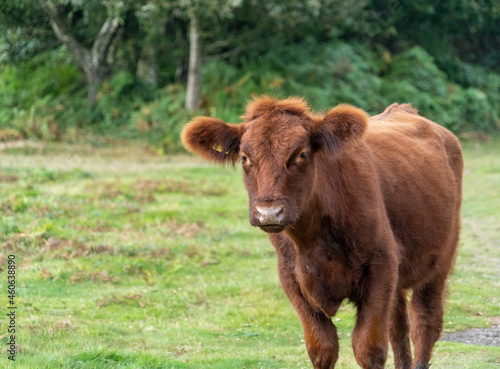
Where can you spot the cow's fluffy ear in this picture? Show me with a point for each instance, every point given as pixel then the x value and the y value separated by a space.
pixel 213 139
pixel 339 127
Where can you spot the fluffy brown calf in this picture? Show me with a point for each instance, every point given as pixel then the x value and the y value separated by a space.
pixel 357 208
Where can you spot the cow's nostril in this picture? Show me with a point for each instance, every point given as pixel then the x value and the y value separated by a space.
pixel 268 215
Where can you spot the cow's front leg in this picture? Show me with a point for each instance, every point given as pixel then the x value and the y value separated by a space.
pixel 370 339
pixel 320 335
pixel 371 332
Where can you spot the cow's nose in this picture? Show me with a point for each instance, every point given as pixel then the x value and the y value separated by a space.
pixel 269 215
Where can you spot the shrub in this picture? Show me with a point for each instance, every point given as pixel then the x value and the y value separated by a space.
pixel 162 120
pixel 414 77
pixel 46 96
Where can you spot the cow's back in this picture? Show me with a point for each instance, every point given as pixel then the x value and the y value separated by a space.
pixel 420 166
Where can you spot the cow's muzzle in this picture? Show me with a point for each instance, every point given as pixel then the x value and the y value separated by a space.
pixel 269 217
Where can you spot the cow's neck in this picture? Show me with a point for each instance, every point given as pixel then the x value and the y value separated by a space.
pixel 307 228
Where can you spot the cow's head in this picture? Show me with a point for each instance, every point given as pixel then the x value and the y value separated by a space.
pixel 277 145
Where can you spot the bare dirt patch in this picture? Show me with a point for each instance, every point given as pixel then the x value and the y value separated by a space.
pixel 132 300
pixel 17 144
pixel 82 276
pixel 39 248
pixel 69 249
pixel 143 191
pixel 174 228
pixel 8 178
pixel 476 336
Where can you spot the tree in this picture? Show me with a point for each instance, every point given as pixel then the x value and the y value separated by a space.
pixel 152 18
pixel 199 12
pixel 94 61
pixel 24 31
pixel 193 93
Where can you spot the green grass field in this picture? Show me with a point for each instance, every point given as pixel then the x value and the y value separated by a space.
pixel 126 259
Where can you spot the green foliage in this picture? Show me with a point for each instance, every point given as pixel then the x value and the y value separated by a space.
pixel 34 94
pixel 162 119
pixel 416 67
pixel 367 53
pixel 44 97
pixel 335 73
pixel 118 98
pixel 414 77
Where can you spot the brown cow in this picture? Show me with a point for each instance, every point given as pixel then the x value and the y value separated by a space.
pixel 357 208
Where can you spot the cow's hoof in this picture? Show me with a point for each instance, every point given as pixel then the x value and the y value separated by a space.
pixel 421 366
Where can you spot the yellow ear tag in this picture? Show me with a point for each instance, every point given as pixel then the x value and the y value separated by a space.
pixel 219 148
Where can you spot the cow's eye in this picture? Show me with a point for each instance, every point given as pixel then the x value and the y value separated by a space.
pixel 298 160
pixel 244 159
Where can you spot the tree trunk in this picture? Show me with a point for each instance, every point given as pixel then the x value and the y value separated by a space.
pixel 193 94
pixel 94 75
pixel 147 67
pixel 93 62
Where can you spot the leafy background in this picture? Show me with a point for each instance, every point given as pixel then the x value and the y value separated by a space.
pixel 442 57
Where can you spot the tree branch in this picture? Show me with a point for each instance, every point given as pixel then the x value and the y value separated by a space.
pixel 94 62
pixel 104 40
pixel 193 93
pixel 233 51
pixel 65 35
pixel 238 39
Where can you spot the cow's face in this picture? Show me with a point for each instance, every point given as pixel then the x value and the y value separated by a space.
pixel 277 156
pixel 276 145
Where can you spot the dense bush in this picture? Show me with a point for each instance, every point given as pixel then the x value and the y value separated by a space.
pixel 35 92
pixel 440 56
pixel 45 98
pixel 335 73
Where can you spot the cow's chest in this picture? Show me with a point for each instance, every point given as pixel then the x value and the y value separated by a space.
pixel 324 277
